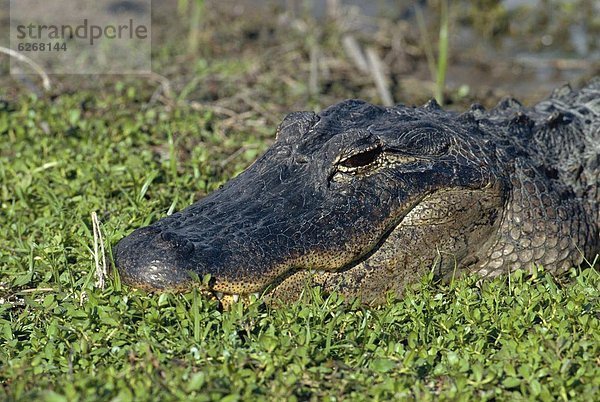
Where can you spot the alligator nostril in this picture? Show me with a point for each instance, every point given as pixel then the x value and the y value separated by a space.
pixel 177 241
pixel 187 248
pixel 169 236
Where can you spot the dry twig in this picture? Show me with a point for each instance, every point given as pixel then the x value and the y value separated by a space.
pixel 101 271
pixel 379 76
pixel 36 67
pixel 353 50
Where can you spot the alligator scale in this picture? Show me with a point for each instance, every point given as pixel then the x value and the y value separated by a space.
pixel 364 199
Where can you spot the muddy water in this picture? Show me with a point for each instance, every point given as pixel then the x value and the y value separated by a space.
pixel 540 44
pixel 546 44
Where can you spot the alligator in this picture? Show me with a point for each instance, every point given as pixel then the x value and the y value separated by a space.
pixel 364 200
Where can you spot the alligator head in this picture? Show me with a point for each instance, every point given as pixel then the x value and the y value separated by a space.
pixel 358 199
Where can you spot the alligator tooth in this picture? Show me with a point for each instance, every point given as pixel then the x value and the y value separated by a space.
pixel 236 298
pixel 219 295
pixel 257 295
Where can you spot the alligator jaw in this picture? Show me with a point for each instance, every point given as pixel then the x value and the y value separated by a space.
pixel 156 269
pixel 301 276
pixel 289 285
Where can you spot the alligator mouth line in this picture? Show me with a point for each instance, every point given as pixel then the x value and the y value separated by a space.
pixel 226 298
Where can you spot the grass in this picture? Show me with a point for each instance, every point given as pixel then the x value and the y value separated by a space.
pixel 442 63
pixel 63 338
pixel 437 67
pixel 195 10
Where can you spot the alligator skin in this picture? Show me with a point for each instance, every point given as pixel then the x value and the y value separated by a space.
pixel 364 200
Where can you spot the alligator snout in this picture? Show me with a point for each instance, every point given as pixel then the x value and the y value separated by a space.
pixel 158 258
pixel 161 265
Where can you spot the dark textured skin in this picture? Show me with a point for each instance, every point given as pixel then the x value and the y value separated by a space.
pixel 365 199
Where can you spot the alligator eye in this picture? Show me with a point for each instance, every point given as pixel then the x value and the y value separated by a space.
pixel 362 159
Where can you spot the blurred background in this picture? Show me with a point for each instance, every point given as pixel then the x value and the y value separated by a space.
pixel 262 58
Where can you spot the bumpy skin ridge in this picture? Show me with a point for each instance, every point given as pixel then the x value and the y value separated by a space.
pixel 552 217
pixel 364 199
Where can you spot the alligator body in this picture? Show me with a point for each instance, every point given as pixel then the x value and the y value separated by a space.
pixel 363 200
